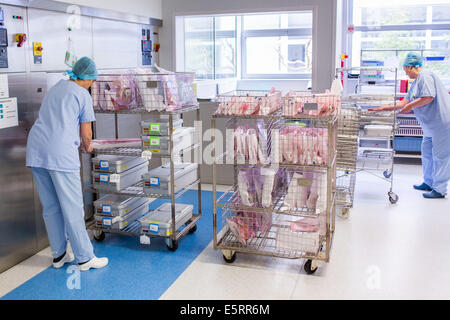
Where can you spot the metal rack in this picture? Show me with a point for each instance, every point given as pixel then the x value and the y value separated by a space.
pixel 349 122
pixel 275 237
pixel 137 190
pixel 375 153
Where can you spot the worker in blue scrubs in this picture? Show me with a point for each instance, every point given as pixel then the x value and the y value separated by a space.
pixel 430 102
pixel 66 115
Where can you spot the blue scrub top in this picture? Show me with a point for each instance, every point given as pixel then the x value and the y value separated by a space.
pixel 54 139
pixel 435 116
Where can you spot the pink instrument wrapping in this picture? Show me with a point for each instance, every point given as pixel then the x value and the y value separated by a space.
pixel 306 103
pixel 249 103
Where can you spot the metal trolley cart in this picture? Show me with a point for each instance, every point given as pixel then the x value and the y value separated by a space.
pixel 376 86
pixel 283 201
pixel 347 153
pixel 146 95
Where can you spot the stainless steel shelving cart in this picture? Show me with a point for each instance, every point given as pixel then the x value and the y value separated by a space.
pixel 349 120
pixel 137 190
pixel 266 227
pixel 377 129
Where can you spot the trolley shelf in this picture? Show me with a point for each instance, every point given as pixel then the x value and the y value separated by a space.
pixel 137 190
pixel 134 229
pixel 280 165
pixel 181 110
pixel 137 152
pixel 266 245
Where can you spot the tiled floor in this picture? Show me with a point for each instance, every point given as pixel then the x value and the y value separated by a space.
pixel 381 251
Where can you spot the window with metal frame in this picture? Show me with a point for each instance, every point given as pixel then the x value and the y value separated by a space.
pixel 277 45
pixel 385 31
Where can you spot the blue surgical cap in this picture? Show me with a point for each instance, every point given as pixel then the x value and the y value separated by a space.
pixel 84 69
pixel 413 60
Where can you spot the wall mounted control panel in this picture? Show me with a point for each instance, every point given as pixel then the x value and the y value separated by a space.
pixel 3 48
pixel 146 48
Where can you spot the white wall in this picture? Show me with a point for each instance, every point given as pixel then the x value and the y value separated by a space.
pixel 324 31
pixel 150 8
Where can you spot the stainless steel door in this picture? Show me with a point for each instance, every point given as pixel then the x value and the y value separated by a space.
pixel 18 228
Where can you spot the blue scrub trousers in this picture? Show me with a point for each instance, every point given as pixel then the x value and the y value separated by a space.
pixel 63 210
pixel 436 161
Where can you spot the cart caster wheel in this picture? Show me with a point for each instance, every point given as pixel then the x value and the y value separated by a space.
pixel 344 213
pixel 172 245
pixel 193 229
pixel 393 198
pixel 229 256
pixel 308 267
pixel 99 236
pixel 387 174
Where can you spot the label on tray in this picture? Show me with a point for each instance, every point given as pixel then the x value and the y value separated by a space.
pixel 154 181
pixel 152 227
pixel 310 107
pixel 107 222
pixel 106 208
pixel 155 127
pixel 304 182
pixel 155 141
pixel 104 177
pixel 104 164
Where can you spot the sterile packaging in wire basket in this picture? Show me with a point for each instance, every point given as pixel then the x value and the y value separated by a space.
pixel 306 192
pixel 183 138
pixel 258 186
pixel 121 222
pixel 306 103
pixel 157 181
pixel 115 182
pixel 159 127
pixel 147 89
pixel 251 145
pixel 248 225
pixel 299 145
pixel 116 90
pixel 246 103
pixel 159 221
pixel 114 163
pixel 117 205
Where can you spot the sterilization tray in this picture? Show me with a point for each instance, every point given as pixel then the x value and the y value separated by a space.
pixel 159 222
pixel 157 181
pixel 117 205
pixel 114 163
pixel 115 182
pixel 118 223
pixel 159 127
pixel 183 138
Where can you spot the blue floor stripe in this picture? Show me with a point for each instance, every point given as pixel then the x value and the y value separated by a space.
pixel 135 271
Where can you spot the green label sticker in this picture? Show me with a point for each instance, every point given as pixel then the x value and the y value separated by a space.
pixel 155 141
pixel 155 127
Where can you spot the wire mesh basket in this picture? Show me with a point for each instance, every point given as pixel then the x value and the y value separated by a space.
pixel 249 103
pixel 311 104
pixel 142 89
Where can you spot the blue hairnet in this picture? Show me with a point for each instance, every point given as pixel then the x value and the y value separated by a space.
pixel 84 69
pixel 413 60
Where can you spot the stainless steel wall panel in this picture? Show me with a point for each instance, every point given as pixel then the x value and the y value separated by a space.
pixel 18 232
pixel 50 28
pixel 116 44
